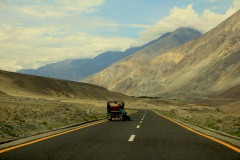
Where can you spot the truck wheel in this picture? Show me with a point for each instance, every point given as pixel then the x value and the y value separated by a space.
pixel 110 119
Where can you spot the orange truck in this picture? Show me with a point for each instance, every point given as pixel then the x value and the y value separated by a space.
pixel 115 110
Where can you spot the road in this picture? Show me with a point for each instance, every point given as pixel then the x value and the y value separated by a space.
pixel 148 136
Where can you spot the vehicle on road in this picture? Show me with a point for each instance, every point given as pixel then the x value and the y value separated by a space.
pixel 115 110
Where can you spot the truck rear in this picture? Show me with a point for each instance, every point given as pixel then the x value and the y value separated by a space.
pixel 115 110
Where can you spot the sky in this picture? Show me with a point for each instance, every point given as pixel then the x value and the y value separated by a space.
pixel 34 33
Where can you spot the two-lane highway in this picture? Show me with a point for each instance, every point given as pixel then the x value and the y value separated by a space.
pixel 148 136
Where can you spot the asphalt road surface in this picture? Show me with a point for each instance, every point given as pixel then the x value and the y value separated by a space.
pixel 148 136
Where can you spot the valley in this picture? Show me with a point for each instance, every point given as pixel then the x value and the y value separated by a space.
pixel 26 111
pixel 185 76
pixel 104 79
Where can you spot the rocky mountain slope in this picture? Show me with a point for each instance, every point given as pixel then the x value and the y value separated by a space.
pixel 204 67
pixel 16 84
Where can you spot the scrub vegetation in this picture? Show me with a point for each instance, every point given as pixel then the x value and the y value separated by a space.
pixel 23 117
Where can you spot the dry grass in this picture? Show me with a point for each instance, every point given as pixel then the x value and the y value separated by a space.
pixel 22 117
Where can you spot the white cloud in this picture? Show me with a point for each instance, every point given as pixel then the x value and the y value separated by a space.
pixel 32 47
pixel 11 65
pixel 234 8
pixel 38 34
pixel 187 17
pixel 211 1
pixel 56 8
pixel 34 41
pixel 79 5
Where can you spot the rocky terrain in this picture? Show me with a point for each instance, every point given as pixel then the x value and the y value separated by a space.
pixel 208 66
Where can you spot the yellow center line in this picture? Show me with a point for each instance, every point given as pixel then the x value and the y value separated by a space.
pixel 204 135
pixel 48 137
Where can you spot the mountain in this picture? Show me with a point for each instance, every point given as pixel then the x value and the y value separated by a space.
pixel 126 74
pixel 165 43
pixel 16 84
pixel 67 69
pixel 77 69
pixel 203 67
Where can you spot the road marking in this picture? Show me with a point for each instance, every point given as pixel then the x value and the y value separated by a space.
pixel 140 121
pixel 131 138
pixel 145 113
pixel 48 137
pixel 201 134
pixel 138 126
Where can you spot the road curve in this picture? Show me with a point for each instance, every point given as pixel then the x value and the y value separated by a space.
pixel 148 136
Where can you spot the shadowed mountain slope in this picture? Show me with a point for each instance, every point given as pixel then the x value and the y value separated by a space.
pixel 70 69
pixel 16 84
pixel 206 66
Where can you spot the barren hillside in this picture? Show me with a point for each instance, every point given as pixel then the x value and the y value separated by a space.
pixel 204 67
pixel 16 84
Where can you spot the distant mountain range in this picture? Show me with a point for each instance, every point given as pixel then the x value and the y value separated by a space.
pixel 208 66
pixel 77 69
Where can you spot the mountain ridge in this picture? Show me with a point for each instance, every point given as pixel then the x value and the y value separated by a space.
pixel 134 62
pixel 203 67
pixel 77 69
